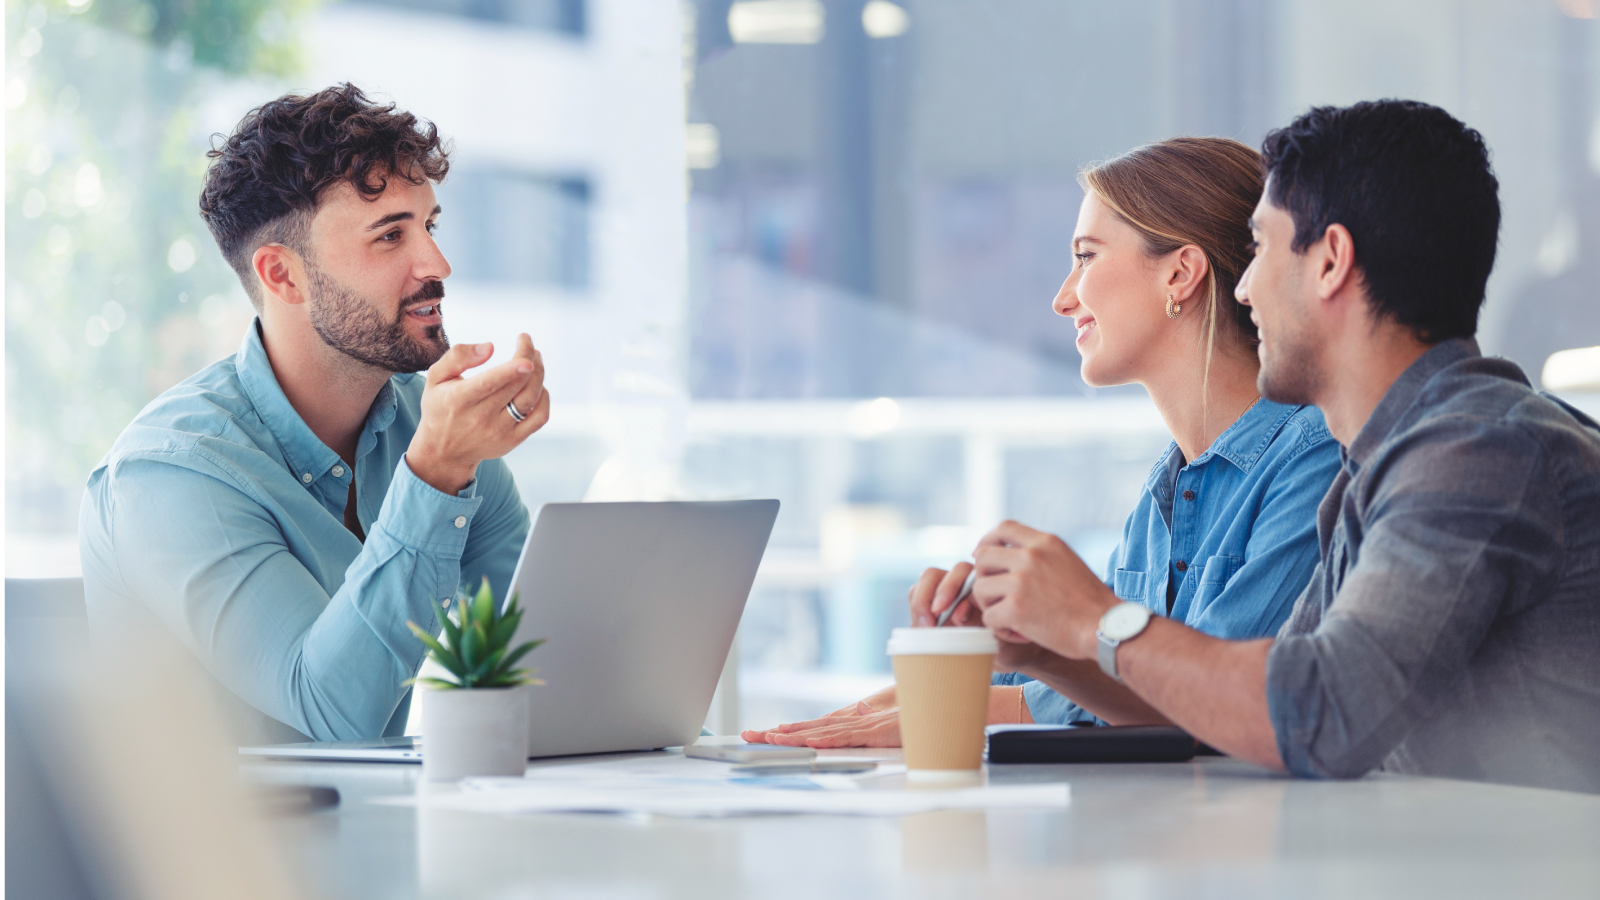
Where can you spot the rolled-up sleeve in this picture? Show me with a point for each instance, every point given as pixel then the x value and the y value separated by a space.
pixel 210 560
pixel 1459 526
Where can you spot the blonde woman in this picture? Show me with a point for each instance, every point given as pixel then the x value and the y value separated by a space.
pixel 1224 535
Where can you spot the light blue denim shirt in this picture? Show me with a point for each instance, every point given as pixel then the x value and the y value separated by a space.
pixel 1235 531
pixel 217 519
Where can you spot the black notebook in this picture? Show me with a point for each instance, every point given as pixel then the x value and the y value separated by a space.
pixel 1087 744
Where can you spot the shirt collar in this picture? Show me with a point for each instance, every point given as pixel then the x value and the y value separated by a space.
pixel 1242 444
pixel 379 418
pixel 1402 394
pixel 305 453
pixel 1246 439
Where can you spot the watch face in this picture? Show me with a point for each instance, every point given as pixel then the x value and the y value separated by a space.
pixel 1124 621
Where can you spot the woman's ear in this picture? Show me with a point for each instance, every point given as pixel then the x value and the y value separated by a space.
pixel 1188 273
pixel 280 273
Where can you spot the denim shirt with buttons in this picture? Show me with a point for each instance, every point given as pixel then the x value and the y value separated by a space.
pixel 1229 540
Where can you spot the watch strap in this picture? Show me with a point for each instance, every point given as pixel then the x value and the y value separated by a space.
pixel 1106 654
pixel 1106 646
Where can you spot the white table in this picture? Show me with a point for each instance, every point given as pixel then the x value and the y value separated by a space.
pixel 1210 828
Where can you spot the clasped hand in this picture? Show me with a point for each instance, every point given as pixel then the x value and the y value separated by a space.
pixel 1032 590
pixel 465 421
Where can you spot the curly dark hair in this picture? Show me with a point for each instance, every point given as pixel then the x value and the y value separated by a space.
pixel 1416 190
pixel 266 179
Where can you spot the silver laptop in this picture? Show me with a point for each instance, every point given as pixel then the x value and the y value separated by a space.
pixel 638 603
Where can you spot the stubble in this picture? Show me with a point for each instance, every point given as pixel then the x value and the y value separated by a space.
pixel 348 323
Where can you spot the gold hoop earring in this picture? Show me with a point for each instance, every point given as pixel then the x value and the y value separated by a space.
pixel 1173 309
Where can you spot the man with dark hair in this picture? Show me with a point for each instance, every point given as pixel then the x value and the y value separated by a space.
pixel 285 511
pixel 1453 625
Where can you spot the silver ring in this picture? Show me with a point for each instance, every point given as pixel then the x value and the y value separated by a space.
pixel 511 407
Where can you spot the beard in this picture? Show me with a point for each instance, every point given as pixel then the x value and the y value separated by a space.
pixel 1292 374
pixel 348 323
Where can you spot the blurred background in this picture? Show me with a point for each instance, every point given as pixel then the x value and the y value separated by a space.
pixel 801 249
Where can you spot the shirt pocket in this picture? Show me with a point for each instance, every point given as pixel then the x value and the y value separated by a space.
pixel 1128 585
pixel 1214 578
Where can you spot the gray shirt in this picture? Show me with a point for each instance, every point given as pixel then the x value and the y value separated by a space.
pixel 1453 625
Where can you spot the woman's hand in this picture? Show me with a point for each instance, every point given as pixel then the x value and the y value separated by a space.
pixel 861 725
pixel 935 590
pixel 857 725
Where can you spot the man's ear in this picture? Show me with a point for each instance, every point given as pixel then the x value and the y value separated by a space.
pixel 281 273
pixel 1334 259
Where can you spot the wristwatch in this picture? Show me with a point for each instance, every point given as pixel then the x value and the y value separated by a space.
pixel 1122 622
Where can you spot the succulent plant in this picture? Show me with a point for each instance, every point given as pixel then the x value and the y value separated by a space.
pixel 474 646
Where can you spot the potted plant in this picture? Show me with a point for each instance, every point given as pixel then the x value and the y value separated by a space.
pixel 476 721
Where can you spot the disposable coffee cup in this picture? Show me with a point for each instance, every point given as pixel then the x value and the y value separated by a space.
pixel 942 684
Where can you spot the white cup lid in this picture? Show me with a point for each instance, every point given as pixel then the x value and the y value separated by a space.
pixel 957 641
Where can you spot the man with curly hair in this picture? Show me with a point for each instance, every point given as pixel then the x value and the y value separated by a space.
pixel 285 511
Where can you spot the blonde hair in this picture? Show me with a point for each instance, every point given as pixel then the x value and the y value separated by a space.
pixel 1191 190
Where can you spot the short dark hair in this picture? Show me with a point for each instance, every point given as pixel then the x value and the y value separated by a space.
pixel 1414 187
pixel 266 179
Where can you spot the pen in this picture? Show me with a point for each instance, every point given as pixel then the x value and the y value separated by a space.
pixel 966 591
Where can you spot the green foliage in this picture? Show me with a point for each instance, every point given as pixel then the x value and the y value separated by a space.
pixel 475 648
pixel 238 37
pixel 114 289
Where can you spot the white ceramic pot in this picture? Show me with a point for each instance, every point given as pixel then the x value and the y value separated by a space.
pixel 474 732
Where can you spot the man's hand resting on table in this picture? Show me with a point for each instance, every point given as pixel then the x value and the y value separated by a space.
pixel 465 421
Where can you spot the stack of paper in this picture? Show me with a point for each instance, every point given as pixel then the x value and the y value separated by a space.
pixel 673 786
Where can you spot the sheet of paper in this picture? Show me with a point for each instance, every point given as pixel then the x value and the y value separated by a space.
pixel 674 786
pixel 733 800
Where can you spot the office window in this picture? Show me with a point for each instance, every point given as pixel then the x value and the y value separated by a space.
pixel 565 16
pixel 889 213
pixel 815 248
pixel 516 228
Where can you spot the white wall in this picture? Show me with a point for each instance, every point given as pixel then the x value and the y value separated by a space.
pixel 608 105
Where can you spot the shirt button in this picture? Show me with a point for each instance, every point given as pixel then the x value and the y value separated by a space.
pixel 306 478
pixel 338 472
pixel 1187 495
pixel 445 602
pixel 1183 566
pixel 461 521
